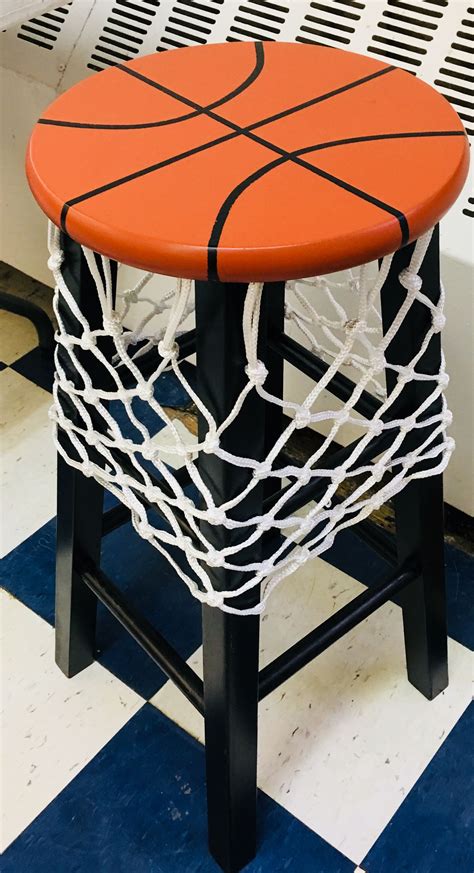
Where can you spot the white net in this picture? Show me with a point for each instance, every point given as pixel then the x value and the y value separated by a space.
pixel 104 433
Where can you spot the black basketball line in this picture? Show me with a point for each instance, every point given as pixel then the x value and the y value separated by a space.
pixel 236 128
pixel 247 131
pixel 224 211
pixel 271 118
pixel 136 175
pixel 259 58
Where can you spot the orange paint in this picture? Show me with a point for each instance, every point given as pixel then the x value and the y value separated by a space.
pixel 162 179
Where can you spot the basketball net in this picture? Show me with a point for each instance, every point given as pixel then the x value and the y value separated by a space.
pixel 343 339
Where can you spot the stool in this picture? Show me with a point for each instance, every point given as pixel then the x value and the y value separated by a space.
pixel 245 167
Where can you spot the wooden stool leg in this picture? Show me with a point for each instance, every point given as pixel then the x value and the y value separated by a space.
pixel 419 507
pixel 80 499
pixel 230 646
pixel 79 526
pixel 419 520
pixel 231 643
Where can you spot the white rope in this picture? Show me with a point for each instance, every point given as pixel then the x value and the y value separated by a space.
pixel 347 336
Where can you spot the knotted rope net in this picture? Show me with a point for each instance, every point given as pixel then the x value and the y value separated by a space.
pixel 102 432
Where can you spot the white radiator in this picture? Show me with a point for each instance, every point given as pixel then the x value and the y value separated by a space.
pixel 433 39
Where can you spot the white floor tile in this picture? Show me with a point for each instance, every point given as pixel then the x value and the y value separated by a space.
pixel 28 460
pixel 166 438
pixel 17 337
pixel 342 742
pixel 53 726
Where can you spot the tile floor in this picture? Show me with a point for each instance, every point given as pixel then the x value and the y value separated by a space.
pixel 105 772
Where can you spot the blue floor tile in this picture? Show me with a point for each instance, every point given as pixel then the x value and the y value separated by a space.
pixel 37 366
pixel 28 573
pixel 138 570
pixel 139 807
pixel 355 558
pixel 460 591
pixel 433 831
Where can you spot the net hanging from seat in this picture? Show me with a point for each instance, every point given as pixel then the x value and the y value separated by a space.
pixel 131 459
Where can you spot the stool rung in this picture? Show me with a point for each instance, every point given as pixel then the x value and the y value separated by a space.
pixel 309 364
pixel 119 515
pixel 318 640
pixel 318 485
pixel 381 542
pixel 148 362
pixel 114 518
pixel 151 641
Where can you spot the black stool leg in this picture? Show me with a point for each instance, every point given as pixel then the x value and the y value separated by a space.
pixel 230 643
pixel 419 507
pixel 79 499
pixel 79 525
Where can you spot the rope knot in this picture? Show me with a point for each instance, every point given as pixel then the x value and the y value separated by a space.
pixel 148 452
pixel 131 295
pixel 439 321
pixel 376 426
pixel 55 260
pixel 306 525
pixel 145 530
pixel 88 342
pixel 266 567
pixel 257 374
pixel 355 325
pixel 265 524
pixel 443 380
pixel 405 375
pixel 302 556
pixel 378 471
pixel 262 471
pixel 211 443
pixel 215 515
pixel 410 281
pixel 89 396
pixel 378 361
pixel 145 391
pixel 450 444
pixel 92 438
pixel 302 417
pixel 304 476
pixel 168 352
pixel 214 598
pixel 113 325
pixel 448 418
pixel 214 558
pixel 338 475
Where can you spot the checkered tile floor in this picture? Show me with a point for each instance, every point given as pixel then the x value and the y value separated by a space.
pixel 105 772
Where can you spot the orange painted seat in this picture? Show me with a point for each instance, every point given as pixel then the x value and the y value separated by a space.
pixel 248 161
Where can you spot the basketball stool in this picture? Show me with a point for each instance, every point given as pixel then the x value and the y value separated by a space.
pixel 247 167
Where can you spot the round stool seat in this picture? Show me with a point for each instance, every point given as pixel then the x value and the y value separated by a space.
pixel 248 161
